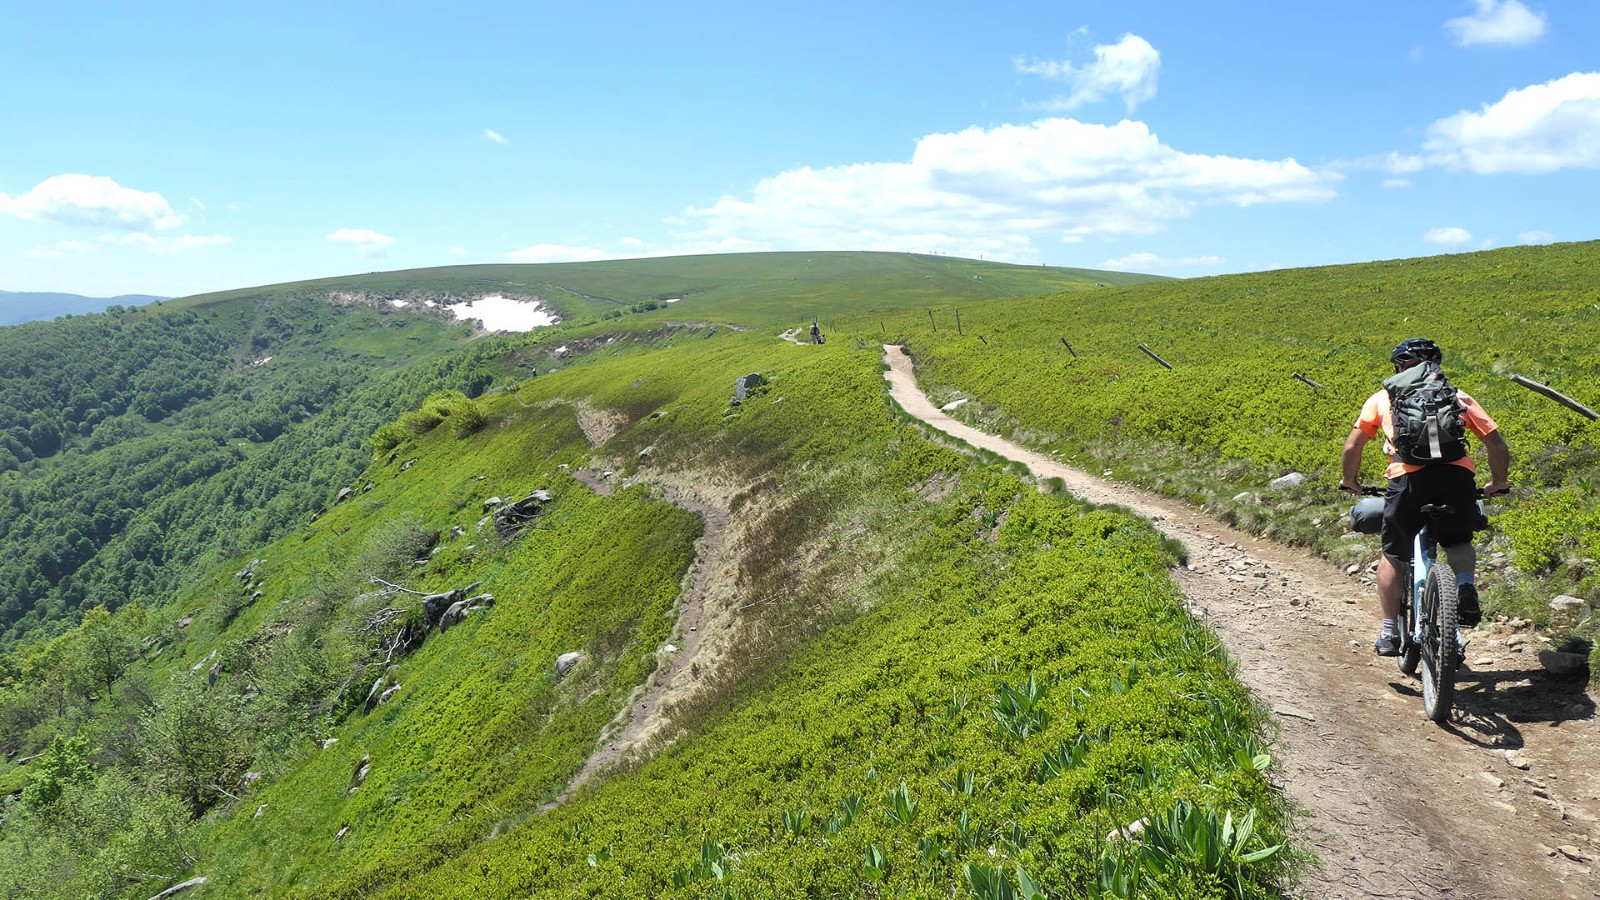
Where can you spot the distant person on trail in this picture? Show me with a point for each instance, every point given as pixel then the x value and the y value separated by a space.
pixel 816 332
pixel 1429 463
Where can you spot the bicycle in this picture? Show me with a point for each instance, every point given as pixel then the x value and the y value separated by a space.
pixel 1429 621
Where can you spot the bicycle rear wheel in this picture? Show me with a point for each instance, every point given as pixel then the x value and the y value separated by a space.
pixel 1441 648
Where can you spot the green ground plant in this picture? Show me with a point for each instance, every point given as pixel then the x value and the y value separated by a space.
pixel 1229 416
pixel 853 750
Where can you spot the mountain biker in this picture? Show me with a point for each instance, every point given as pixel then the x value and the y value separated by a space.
pixel 1413 486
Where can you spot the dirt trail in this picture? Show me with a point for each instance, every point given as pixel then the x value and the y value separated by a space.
pixel 1502 802
pixel 643 714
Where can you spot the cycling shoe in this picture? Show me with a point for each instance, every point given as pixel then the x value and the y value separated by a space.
pixel 1387 645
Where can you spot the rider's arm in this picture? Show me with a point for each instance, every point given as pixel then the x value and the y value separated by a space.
pixel 1351 460
pixel 1499 462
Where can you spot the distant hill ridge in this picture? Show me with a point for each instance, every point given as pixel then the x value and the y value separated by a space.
pixel 17 307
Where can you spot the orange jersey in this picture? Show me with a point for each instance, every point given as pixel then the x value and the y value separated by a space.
pixel 1376 414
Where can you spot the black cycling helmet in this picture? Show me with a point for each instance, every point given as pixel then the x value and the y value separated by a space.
pixel 1415 350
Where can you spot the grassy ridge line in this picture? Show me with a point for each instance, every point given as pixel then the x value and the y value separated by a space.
pixel 1229 417
pixel 748 288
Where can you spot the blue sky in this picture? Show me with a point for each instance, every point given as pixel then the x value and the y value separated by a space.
pixel 176 148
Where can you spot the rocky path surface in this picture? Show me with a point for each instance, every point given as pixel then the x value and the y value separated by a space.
pixel 644 712
pixel 1501 803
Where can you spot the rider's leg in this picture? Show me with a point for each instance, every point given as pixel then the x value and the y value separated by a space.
pixel 1463 560
pixel 1391 587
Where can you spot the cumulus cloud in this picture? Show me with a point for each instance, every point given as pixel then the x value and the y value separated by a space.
pixel 1448 237
pixel 549 253
pixel 991 192
pixel 369 242
pixel 91 200
pixel 1127 69
pixel 1537 129
pixel 160 244
pixel 1150 262
pixel 1497 22
pixel 459 252
pixel 165 245
pixel 1535 237
pixel 489 134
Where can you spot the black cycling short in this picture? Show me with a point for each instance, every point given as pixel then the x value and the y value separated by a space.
pixel 1452 485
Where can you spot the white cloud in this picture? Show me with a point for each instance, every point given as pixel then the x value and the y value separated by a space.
pixel 1448 237
pixel 1403 164
pixel 1150 262
pixel 632 243
pixel 992 192
pixel 1396 183
pixel 162 245
pixel 1535 237
pixel 165 245
pixel 1127 69
pixel 549 253
pixel 459 252
pixel 369 242
pixel 1497 22
pixel 60 250
pixel 1532 130
pixel 489 134
pixel 91 200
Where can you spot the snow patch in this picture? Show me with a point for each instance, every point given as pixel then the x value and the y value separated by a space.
pixel 498 313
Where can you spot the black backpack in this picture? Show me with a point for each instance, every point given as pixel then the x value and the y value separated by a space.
pixel 1426 410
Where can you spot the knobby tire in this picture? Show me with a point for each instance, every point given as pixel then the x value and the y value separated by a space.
pixel 1441 651
pixel 1410 650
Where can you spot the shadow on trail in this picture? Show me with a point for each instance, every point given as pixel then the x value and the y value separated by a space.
pixel 1491 703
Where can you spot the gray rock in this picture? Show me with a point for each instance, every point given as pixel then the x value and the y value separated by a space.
pixel 372 695
pixel 491 503
pixel 457 531
pixel 455 614
pixel 1243 497
pixel 1558 663
pixel 388 692
pixel 180 888
pixel 407 464
pixel 343 495
pixel 359 774
pixel 1567 603
pixel 747 386
pixel 566 662
pixel 1288 482
pixel 259 810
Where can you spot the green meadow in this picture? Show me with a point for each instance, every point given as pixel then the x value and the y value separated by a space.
pixel 922 675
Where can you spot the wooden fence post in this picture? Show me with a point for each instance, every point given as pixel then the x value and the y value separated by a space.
pixel 1069 348
pixel 1557 396
pixel 958 322
pixel 1299 377
pixel 1152 354
pixel 932 322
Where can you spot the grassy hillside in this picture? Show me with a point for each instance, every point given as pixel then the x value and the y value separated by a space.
pixel 930 675
pixel 747 288
pixel 137 448
pixel 1229 416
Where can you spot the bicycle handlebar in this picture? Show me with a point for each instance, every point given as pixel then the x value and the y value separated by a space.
pixel 1368 490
